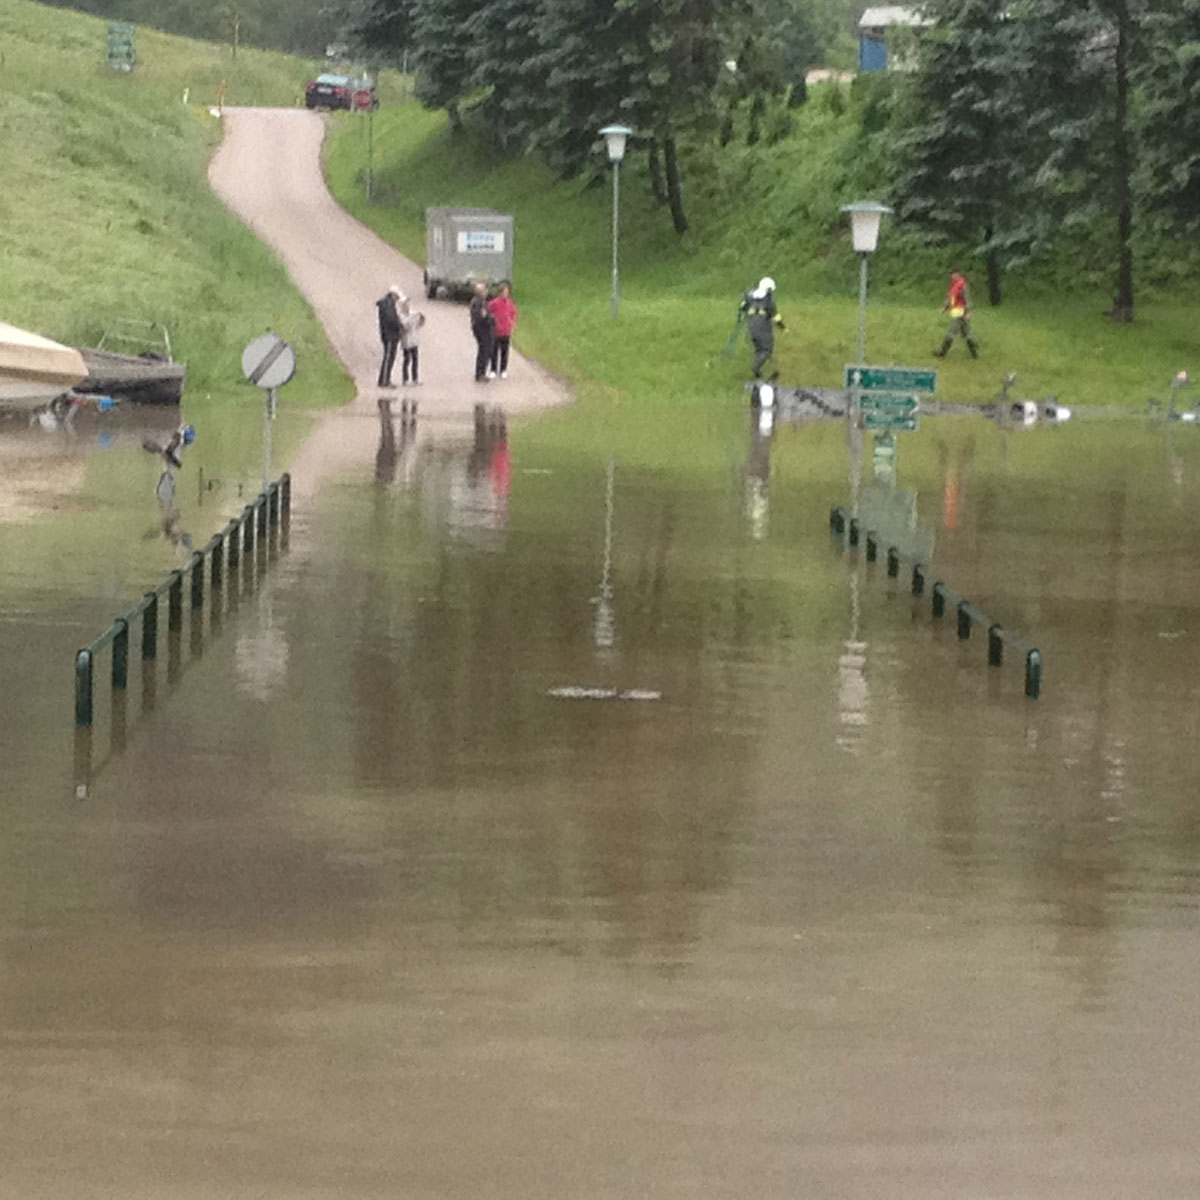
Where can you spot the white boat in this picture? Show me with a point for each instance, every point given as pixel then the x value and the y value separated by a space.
pixel 33 369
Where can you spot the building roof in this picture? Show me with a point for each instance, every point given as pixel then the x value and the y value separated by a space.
pixel 892 14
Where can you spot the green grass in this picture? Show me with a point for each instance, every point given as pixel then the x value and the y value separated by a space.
pixel 106 212
pixel 776 211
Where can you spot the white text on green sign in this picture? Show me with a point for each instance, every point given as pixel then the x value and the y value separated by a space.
pixel 890 379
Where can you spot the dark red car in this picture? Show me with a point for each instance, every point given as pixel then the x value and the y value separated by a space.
pixel 340 91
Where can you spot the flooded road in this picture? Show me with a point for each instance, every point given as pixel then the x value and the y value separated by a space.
pixel 389 894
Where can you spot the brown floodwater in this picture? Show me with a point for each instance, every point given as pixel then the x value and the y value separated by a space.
pixel 532 825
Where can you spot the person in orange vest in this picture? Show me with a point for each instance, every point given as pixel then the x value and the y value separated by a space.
pixel 958 305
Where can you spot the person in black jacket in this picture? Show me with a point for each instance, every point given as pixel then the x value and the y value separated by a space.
pixel 482 327
pixel 389 333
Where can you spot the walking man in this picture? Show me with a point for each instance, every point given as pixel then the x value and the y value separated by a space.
pixel 958 305
pixel 482 325
pixel 389 333
pixel 761 319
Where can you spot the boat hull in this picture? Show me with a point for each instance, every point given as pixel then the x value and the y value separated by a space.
pixel 34 369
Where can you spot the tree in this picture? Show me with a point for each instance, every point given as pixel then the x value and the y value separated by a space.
pixel 962 162
pixel 1169 123
pixel 442 45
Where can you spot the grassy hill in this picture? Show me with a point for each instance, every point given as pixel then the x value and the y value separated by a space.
pixel 106 212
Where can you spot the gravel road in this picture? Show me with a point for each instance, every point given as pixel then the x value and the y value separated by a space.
pixel 267 170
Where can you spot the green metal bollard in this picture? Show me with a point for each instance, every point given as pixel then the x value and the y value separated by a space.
pixel 216 566
pixel 260 507
pixel 938 607
pixel 893 562
pixel 150 626
pixel 285 483
pixel 120 654
pixel 83 688
pixel 918 580
pixel 995 645
pixel 175 600
pixel 196 562
pixel 1033 674
pixel 273 503
pixel 854 531
pixel 872 546
pixel 248 529
pixel 963 610
pixel 235 542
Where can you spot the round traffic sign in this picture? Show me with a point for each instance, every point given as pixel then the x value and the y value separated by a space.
pixel 268 361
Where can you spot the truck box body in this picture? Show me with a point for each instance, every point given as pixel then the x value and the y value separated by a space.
pixel 464 246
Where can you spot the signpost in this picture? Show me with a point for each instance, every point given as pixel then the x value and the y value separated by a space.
pixel 890 379
pixel 268 362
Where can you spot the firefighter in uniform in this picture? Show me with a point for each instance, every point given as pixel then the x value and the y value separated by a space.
pixel 758 305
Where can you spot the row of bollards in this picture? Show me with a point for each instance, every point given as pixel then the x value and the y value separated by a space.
pixel 850 530
pixel 254 529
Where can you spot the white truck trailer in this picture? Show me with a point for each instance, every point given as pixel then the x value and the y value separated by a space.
pixel 464 246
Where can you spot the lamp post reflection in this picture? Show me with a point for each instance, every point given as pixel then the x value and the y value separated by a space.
pixel 604 626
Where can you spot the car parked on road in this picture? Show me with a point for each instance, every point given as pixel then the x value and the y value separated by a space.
pixel 340 91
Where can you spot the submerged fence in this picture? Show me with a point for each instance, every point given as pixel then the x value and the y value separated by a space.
pixel 249 539
pixel 849 530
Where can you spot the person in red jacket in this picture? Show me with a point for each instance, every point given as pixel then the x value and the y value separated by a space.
pixel 504 317
pixel 958 305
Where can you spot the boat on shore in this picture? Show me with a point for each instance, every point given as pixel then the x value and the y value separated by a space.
pixel 34 369
pixel 149 378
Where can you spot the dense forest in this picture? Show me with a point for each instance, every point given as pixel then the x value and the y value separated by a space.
pixel 1018 126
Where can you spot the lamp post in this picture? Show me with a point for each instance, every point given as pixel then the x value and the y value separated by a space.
pixel 865 216
pixel 615 137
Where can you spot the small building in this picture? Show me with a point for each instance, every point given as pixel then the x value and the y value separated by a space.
pixel 873 29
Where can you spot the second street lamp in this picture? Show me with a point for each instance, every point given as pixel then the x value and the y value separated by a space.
pixel 865 216
pixel 615 137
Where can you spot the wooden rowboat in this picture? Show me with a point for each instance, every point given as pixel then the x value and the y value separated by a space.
pixel 34 369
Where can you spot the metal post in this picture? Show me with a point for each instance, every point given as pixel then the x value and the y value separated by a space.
pixel 235 543
pixel 268 412
pixel 370 151
pixel 273 504
pixel 964 619
pixel 995 645
pixel 248 529
pixel 83 688
pixel 918 580
pixel 286 483
pixel 196 562
pixel 616 283
pixel 861 344
pixel 150 626
pixel 938 607
pixel 872 546
pixel 893 562
pixel 175 600
pixel 260 506
pixel 120 654
pixel 1033 674
pixel 854 531
pixel 216 579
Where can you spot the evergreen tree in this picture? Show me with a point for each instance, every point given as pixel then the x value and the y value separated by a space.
pixel 442 45
pixel 963 164
pixel 504 42
pixel 1169 122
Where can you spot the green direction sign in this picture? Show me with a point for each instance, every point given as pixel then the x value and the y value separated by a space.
pixel 890 379
pixel 888 419
pixel 892 401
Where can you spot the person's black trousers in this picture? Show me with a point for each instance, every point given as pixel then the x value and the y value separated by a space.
pixel 409 367
pixel 500 353
pixel 389 360
pixel 483 352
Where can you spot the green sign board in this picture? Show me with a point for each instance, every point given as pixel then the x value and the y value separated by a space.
pixel 892 401
pixel 890 379
pixel 889 419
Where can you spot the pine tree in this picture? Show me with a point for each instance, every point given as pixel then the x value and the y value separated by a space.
pixel 963 164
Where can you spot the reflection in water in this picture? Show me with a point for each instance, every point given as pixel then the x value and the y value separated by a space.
pixel 756 503
pixel 604 626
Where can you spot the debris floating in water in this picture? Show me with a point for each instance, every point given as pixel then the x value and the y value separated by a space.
pixel 575 692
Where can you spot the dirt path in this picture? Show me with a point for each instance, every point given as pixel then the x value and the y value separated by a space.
pixel 267 170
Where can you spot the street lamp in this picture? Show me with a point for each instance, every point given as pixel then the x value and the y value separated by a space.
pixel 615 136
pixel 865 217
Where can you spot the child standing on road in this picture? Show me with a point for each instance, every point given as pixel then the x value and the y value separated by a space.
pixel 504 317
pixel 410 324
